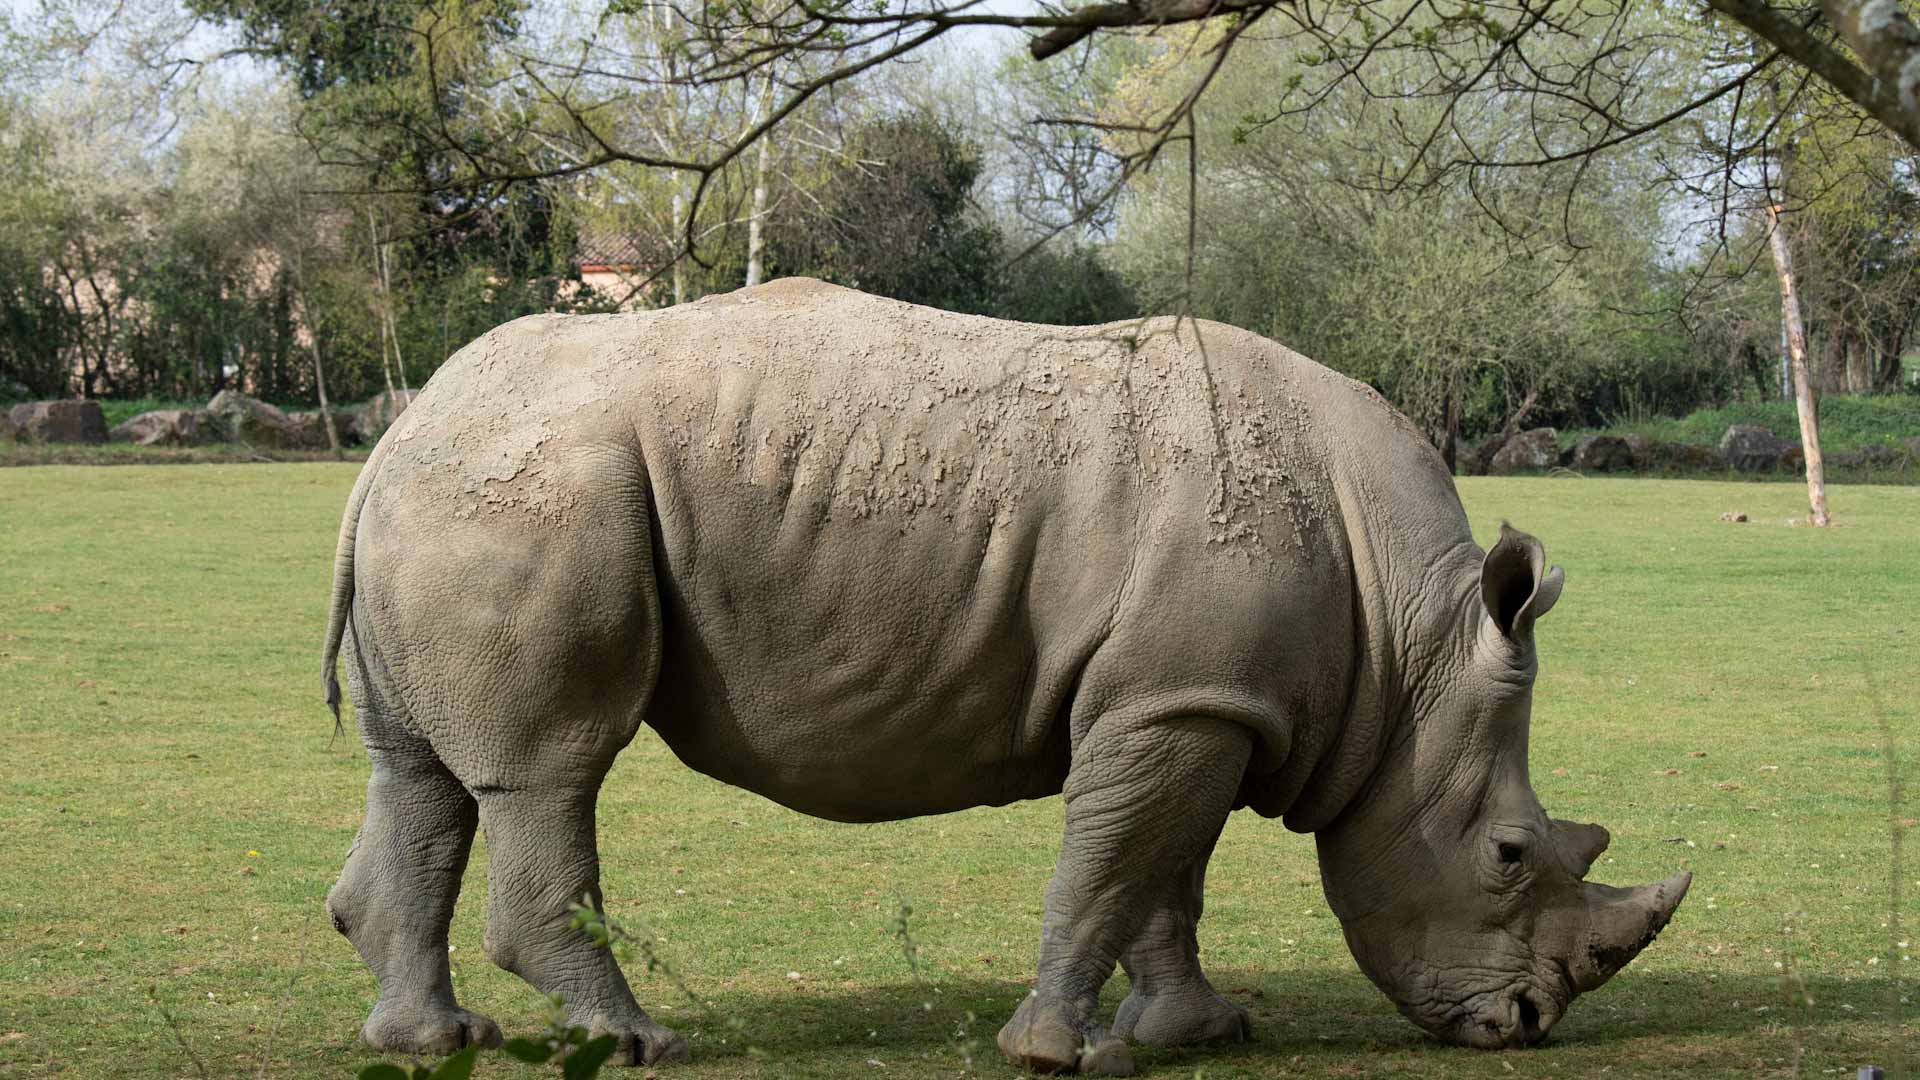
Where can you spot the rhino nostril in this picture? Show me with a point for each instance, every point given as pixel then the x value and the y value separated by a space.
pixel 1529 1017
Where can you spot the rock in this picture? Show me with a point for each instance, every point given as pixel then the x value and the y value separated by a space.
pixel 1535 449
pixel 1751 448
pixel 249 420
pixel 1601 453
pixel 377 415
pixel 1694 457
pixel 169 427
pixel 1477 461
pixel 306 431
pixel 66 421
pixel 1645 451
pixel 1879 455
pixel 1913 448
pixel 1735 517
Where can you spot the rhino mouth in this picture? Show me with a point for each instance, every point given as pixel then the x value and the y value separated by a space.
pixel 1517 1015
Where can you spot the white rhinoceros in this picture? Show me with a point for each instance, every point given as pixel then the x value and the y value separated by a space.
pixel 873 561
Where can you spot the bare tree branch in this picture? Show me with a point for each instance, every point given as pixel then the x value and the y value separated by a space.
pixel 1876 29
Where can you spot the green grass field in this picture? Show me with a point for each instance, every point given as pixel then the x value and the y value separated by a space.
pixel 172 812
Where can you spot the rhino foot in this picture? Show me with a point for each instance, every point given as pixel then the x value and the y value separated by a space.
pixel 642 1043
pixel 1186 1018
pixel 430 1031
pixel 1044 1037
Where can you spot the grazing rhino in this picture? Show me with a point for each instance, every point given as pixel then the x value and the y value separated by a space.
pixel 873 561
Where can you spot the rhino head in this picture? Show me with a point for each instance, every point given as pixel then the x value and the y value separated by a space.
pixel 1460 898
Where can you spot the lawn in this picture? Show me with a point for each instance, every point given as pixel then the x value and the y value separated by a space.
pixel 174 810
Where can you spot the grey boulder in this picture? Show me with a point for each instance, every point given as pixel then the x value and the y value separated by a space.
pixel 169 427
pixel 1601 453
pixel 1693 457
pixel 1752 448
pixel 62 421
pixel 1644 448
pixel 380 411
pixel 249 420
pixel 1531 450
pixel 306 431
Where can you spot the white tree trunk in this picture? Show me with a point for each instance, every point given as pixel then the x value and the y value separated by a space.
pixel 756 232
pixel 680 226
pixel 1797 356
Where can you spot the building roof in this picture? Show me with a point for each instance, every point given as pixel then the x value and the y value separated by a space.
pixel 602 248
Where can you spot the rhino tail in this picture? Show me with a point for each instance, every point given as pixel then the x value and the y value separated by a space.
pixel 342 601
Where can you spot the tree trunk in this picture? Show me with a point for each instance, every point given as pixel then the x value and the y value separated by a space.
pixel 1450 434
pixel 380 282
pixel 320 385
pixel 756 233
pixel 679 276
pixel 299 266
pixel 1886 364
pixel 1797 356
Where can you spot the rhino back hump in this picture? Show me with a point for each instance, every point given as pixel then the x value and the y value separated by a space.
pixel 890 540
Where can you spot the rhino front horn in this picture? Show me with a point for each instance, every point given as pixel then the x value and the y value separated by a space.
pixel 1620 923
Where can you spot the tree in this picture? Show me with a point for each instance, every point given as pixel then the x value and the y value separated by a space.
pixel 1802 387
pixel 34 322
pixel 1473 307
pixel 894 218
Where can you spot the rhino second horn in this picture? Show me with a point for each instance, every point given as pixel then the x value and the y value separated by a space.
pixel 1620 923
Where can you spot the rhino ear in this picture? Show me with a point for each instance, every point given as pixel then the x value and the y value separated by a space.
pixel 1579 844
pixel 1514 587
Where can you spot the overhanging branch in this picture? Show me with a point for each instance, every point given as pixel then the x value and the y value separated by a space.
pixel 1877 96
pixel 1077 25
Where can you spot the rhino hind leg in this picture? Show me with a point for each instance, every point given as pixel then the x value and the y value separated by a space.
pixel 395 896
pixel 541 858
pixel 1145 801
pixel 1171 1002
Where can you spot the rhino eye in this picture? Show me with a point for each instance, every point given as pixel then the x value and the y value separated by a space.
pixel 1511 853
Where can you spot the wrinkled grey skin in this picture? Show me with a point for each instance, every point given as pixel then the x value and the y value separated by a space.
pixel 873 561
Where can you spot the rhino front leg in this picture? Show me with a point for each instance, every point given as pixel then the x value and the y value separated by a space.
pixel 541 858
pixel 395 896
pixel 1145 800
pixel 1172 1003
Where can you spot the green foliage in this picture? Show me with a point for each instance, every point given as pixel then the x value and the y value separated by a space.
pixel 1463 304
pixel 328 44
pixel 1065 284
pixel 895 216
pixel 894 219
pixel 565 1045
pixel 34 321
pixel 1846 422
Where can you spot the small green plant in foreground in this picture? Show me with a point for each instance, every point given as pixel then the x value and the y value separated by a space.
pixel 459 1066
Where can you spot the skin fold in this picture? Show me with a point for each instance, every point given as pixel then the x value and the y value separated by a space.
pixel 874 561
